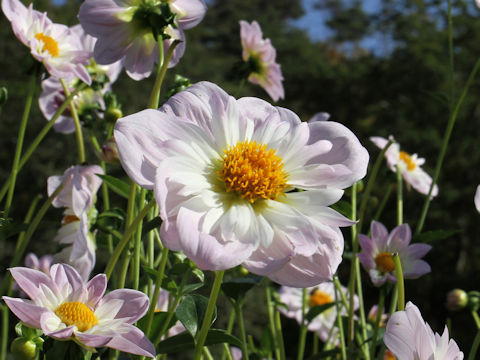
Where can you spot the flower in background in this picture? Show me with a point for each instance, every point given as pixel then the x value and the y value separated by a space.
pixel 42 264
pixel 408 336
pixel 124 30
pixel 409 166
pixel 376 255
pixel 319 295
pixel 52 44
pixel 65 307
pixel 260 56
pixel 162 306
pixel 320 116
pixel 223 172
pixel 372 316
pixel 476 199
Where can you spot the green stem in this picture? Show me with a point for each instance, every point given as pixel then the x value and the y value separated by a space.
pixel 33 146
pixel 443 150
pixel 376 326
pixel 393 301
pixel 278 334
pixel 315 345
pixel 384 201
pixel 138 243
pixel 21 136
pixel 399 197
pixel 241 327
pixel 207 320
pixel 126 238
pixel 78 127
pixel 353 271
pixel 4 341
pixel 476 341
pixel 400 282
pixel 340 326
pixel 303 327
pixel 27 219
pixel 226 350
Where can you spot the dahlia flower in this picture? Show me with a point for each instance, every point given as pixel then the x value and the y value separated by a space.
pixel 409 166
pixel 52 44
pixel 376 255
pixel 43 263
pixel 123 33
pixel 409 337
pixel 476 199
pixel 260 55
pixel 319 295
pixel 224 173
pixel 80 184
pixel 65 307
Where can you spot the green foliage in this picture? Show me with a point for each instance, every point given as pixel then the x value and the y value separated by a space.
pixel 191 312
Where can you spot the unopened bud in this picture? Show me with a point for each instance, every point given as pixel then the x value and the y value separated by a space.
pixel 109 151
pixel 113 114
pixel 457 299
pixel 23 349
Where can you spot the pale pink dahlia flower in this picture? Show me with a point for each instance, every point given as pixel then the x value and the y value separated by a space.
pixel 260 54
pixel 409 166
pixel 43 263
pixel 52 44
pixel 224 173
pixel 322 294
pixel 376 255
pixel 122 34
pixel 65 307
pixel 409 337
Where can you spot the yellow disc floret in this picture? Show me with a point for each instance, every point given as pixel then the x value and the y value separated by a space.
pixel 407 159
pixel 49 44
pixel 76 313
pixel 385 262
pixel 318 298
pixel 253 171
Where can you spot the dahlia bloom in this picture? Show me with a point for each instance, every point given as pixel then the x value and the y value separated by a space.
pixel 409 337
pixel 80 184
pixel 476 199
pixel 409 166
pixel 43 263
pixel 122 34
pixel 318 295
pixel 223 172
pixel 260 54
pixel 376 255
pixel 52 44
pixel 65 307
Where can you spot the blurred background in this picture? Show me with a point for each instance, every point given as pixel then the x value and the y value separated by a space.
pixel 380 67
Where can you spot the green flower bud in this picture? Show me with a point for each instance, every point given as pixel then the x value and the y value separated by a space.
pixel 23 349
pixel 457 299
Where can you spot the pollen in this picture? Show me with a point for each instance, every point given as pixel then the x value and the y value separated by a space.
pixel 385 262
pixel 407 159
pixel 253 171
pixel 49 44
pixel 76 313
pixel 318 298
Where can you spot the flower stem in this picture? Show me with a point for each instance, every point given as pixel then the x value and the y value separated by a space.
pixel 400 282
pixel 476 341
pixel 340 325
pixel 5 320
pixel 270 311
pixel 381 304
pixel 399 197
pixel 303 327
pixel 21 136
pixel 353 272
pixel 443 149
pixel 78 127
pixel 207 320
pixel 138 242
pixel 279 335
pixel 241 327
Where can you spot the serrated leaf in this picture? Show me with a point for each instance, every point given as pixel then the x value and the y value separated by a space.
pixel 118 186
pixel 317 310
pixel 430 237
pixel 238 287
pixel 191 312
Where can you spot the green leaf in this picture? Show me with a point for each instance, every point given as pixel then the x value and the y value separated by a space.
pixel 434 236
pixel 191 312
pixel 326 354
pixel 317 310
pixel 184 341
pixel 8 229
pixel 118 186
pixel 343 207
pixel 191 287
pixel 238 287
pixel 199 274
pixel 152 224
pixel 159 319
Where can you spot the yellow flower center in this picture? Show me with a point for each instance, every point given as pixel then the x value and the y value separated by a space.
pixel 76 313
pixel 385 262
pixel 407 159
pixel 253 171
pixel 49 44
pixel 68 219
pixel 318 298
pixel 389 355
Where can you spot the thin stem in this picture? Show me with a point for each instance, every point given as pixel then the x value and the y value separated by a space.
pixel 78 127
pixel 33 146
pixel 270 311
pixel 138 242
pixel 27 219
pixel 476 341
pixel 353 271
pixel 376 326
pixel 315 344
pixel 4 341
pixel 384 201
pixel 21 136
pixel 226 350
pixel 126 238
pixel 393 301
pixel 279 336
pixel 451 64
pixel 340 326
pixel 400 282
pixel 443 150
pixel 399 197
pixel 303 327
pixel 207 320
pixel 476 319
pixel 241 327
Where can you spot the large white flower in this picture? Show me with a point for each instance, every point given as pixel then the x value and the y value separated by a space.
pixel 241 181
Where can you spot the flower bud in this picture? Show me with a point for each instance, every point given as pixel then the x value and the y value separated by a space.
pixel 457 299
pixel 110 152
pixel 23 349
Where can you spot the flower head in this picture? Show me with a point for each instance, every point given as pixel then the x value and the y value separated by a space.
pixel 408 165
pixel 409 337
pixel 52 44
pixel 376 255
pixel 124 32
pixel 224 173
pixel 318 295
pixel 260 56
pixel 65 307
